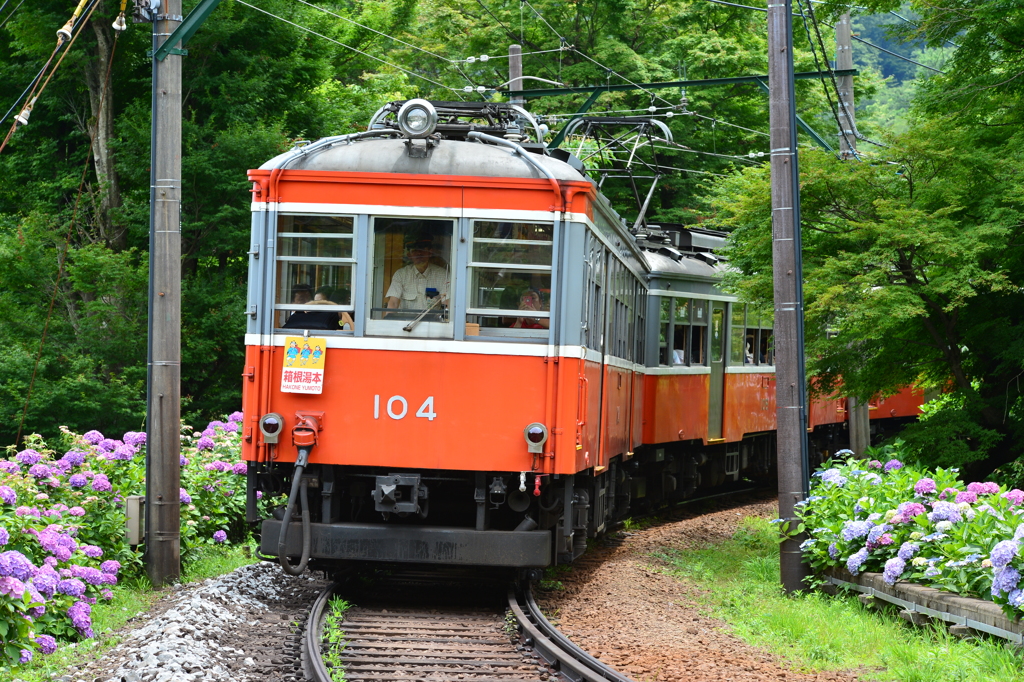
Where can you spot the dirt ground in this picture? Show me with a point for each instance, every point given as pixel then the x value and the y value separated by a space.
pixel 649 625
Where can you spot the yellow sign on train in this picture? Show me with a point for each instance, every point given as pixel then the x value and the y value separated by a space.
pixel 303 367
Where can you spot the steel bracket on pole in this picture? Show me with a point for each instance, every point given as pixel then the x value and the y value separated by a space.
pixel 184 32
pixel 803 125
pixel 172 50
pixel 582 110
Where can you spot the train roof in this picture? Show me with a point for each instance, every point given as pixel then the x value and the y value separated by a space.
pixel 446 157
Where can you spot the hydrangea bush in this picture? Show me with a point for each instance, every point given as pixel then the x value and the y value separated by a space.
pixel 922 526
pixel 62 524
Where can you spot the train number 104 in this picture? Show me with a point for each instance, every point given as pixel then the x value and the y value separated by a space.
pixel 397 407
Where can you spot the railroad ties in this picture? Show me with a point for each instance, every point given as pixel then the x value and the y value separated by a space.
pixel 406 645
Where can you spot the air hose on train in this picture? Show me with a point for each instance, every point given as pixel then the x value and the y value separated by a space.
pixel 304 437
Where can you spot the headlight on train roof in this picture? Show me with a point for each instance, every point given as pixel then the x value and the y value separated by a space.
pixel 536 434
pixel 417 118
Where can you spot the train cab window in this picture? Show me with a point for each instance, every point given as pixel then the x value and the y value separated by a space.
pixel 717 334
pixel 765 353
pixel 698 332
pixel 681 332
pixel 510 279
pixel 665 333
pixel 314 272
pixel 741 351
pixel 411 277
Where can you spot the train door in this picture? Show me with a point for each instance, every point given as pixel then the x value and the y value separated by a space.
pixel 717 362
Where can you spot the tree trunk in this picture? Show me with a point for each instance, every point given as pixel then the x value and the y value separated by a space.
pixel 101 131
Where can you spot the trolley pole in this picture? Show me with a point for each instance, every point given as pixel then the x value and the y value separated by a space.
pixel 163 512
pixel 791 386
pixel 515 74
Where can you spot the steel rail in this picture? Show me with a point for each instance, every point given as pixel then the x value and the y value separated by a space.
pixel 558 650
pixel 312 657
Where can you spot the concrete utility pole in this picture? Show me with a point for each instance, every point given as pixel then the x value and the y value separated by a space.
pixel 844 60
pixel 163 444
pixel 790 387
pixel 515 74
pixel 859 420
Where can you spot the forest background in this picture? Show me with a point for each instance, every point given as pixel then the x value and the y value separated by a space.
pixel 912 253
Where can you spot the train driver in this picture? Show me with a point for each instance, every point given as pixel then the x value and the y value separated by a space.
pixel 414 286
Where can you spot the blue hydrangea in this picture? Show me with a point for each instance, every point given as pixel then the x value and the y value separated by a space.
pixel 1016 598
pixel 893 570
pixel 932 571
pixel 1003 553
pixel 875 533
pixel 856 560
pixel 833 551
pixel 945 511
pixel 856 529
pixel 908 550
pixel 833 476
pixel 1004 579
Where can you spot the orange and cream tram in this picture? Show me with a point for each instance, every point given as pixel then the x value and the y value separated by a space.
pixel 457 352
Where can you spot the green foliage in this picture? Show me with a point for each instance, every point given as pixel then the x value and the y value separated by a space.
pixel 334 638
pixel 813 631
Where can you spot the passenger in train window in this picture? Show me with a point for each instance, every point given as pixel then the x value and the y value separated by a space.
pixel 415 286
pixel 302 293
pixel 530 300
pixel 678 357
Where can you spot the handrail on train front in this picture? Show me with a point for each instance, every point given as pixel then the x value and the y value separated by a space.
pixel 525 155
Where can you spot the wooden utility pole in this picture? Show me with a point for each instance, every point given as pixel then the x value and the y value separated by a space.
pixel 515 74
pixel 844 60
pixel 163 444
pixel 790 387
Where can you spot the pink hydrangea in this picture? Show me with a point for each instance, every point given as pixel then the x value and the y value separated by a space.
pixel 966 496
pixel 924 486
pixel 1015 496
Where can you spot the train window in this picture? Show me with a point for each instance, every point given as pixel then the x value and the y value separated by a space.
pixel 766 339
pixel 510 278
pixel 681 331
pixel 698 332
pixel 411 277
pixel 739 353
pixel 717 334
pixel 314 272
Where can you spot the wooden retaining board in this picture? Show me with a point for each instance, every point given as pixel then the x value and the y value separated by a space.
pixel 977 614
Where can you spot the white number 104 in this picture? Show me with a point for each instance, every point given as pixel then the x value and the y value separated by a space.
pixel 397 407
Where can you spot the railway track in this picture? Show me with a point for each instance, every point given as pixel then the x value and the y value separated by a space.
pixel 387 642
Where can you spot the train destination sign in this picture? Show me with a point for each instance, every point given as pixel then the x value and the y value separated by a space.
pixel 303 367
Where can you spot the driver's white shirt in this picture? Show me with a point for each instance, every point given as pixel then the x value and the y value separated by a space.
pixel 409 285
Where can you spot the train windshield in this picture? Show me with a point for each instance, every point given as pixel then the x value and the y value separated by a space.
pixel 411 278
pixel 314 272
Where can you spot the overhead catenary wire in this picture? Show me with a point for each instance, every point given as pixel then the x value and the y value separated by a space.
pixel 13 12
pixel 349 47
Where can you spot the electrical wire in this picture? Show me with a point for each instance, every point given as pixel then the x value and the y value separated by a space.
pixel 898 56
pixel 13 11
pixel 505 56
pixel 349 47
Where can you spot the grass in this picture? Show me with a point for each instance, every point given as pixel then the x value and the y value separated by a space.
pixel 334 635
pixel 131 598
pixel 814 631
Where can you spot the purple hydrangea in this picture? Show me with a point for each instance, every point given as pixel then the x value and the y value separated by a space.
pixel 45 580
pixel 74 458
pixel 111 567
pixel 109 579
pixel 92 437
pixel 833 551
pixel 220 536
pixel 906 512
pixel 46 644
pixel 214 424
pixel 1004 579
pixel 924 486
pixel 61 466
pixel 135 438
pixel 77 480
pixel 948 492
pixel 893 465
pixel 91 551
pixel 236 417
pixel 183 461
pixel 8 495
pixel 39 471
pixel 240 468
pixel 108 445
pixel 12 587
pixel 856 529
pixel 217 466
pixel 9 467
pixel 908 550
pixel 259 494
pixel 209 433
pixel 1003 553
pixel 833 476
pixel 28 457
pixel 875 533
pixel 73 587
pixel 184 496
pixel 124 452
pixel 966 496
pixel 856 560
pixel 101 484
pixel 79 613
pixel 893 570
pixel 231 427
pixel 205 443
pixel 874 464
pixel 93 576
pixel 5 537
pixel 27 511
pixel 1015 496
pixel 986 488
pixel 26 656
pixel 13 563
pixel 76 511
pixel 945 511
pixel 1016 598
